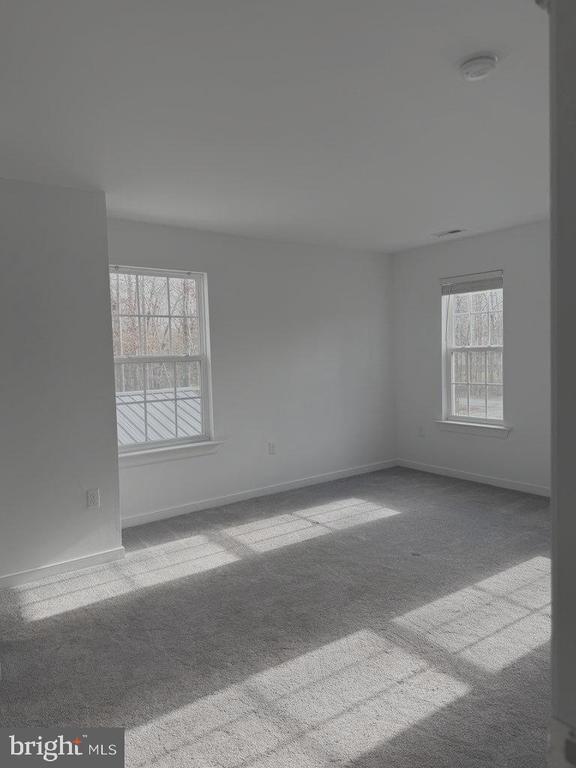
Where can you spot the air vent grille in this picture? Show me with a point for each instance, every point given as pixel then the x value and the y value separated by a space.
pixel 449 233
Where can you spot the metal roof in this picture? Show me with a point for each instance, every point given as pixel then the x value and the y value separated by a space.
pixel 164 416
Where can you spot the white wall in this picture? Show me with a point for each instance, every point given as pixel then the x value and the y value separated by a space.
pixel 522 460
pixel 301 353
pixel 57 420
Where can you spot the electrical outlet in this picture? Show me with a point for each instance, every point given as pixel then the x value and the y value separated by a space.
pixel 93 498
pixel 420 431
pixel 272 449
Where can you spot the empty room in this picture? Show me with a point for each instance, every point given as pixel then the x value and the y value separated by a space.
pixel 287 387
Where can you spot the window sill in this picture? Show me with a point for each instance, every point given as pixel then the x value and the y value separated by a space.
pixel 470 428
pixel 167 453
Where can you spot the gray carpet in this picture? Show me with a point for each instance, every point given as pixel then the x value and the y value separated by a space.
pixel 391 620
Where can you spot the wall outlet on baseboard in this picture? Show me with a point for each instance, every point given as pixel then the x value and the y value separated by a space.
pixel 272 449
pixel 93 498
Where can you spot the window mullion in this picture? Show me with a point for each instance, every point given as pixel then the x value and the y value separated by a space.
pixel 199 289
pixel 175 400
pixel 450 394
pixel 169 315
pixel 144 365
pixel 449 380
pixel 160 359
pixel 486 384
pixel 468 382
pixel 119 329
pixel 168 299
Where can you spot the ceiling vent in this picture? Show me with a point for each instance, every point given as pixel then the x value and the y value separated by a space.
pixel 449 233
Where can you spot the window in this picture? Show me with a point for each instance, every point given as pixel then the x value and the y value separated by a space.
pixel 473 348
pixel 161 357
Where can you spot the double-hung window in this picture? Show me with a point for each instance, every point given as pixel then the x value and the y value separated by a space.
pixel 473 348
pixel 161 357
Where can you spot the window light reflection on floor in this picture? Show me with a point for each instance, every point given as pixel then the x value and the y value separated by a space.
pixel 143 568
pixel 283 530
pixel 320 710
pixel 493 622
pixel 190 555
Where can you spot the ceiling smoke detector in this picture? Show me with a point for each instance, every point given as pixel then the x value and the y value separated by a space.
pixel 478 67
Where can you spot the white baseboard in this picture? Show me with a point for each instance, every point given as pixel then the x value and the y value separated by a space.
pixel 499 482
pixel 22 577
pixel 219 501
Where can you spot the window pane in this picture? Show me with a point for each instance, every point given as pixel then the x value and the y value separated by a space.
pixel 495 402
pixel 478 367
pixel 128 296
pixel 462 330
pixel 188 402
pixel 479 301
pixel 479 330
pixel 130 406
pixel 478 401
pixel 460 400
pixel 189 417
pixel 496 329
pixel 129 336
pixel 157 316
pixel 159 381
pixel 131 423
pixel 185 336
pixel 116 346
pixel 460 367
pixel 494 367
pixel 188 379
pixel 161 415
pixel 461 302
pixel 475 376
pixel 183 296
pixel 153 295
pixel 157 335
pixel 129 382
pixel 496 299
pixel 114 292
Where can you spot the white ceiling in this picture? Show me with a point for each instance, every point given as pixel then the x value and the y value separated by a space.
pixel 341 121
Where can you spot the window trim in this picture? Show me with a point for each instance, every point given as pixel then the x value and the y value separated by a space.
pixel 155 447
pixel 164 453
pixel 460 422
pixel 499 430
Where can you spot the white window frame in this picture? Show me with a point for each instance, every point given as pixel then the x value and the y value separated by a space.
pixel 448 349
pixel 203 358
